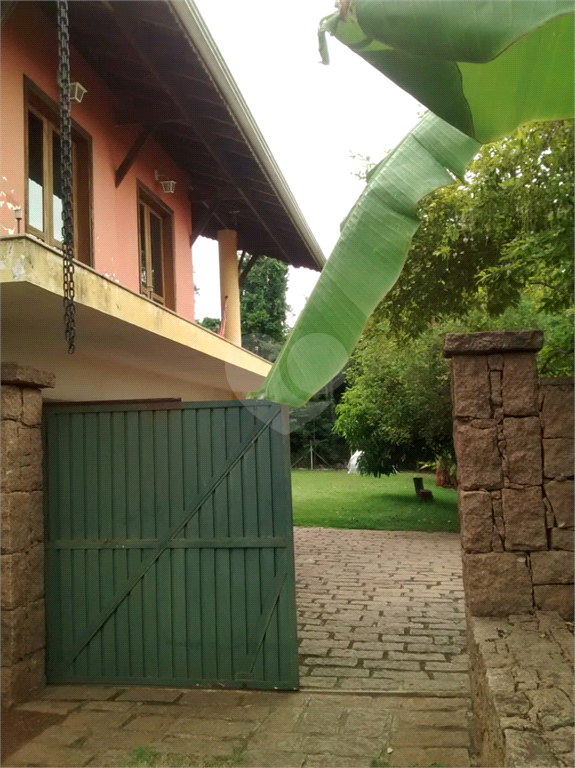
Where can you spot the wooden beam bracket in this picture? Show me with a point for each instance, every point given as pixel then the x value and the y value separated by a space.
pixel 133 152
pixel 203 220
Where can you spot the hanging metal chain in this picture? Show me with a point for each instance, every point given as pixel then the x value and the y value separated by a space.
pixel 66 175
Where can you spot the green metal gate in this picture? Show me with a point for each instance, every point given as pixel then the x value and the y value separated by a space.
pixel 169 554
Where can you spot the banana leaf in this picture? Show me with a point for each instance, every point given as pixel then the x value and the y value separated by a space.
pixel 483 68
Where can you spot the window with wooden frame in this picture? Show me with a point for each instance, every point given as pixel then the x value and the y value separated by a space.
pixel 155 224
pixel 44 178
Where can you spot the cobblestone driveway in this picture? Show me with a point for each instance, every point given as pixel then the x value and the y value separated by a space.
pixel 380 610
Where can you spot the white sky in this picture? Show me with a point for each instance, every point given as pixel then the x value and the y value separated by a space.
pixel 311 116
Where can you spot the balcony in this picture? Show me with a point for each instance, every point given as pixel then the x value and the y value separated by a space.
pixel 127 347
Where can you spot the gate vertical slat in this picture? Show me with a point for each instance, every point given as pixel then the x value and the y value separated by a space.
pixel 222 556
pixel 64 504
pixel 252 555
pixel 148 531
pixel 134 531
pixel 53 532
pixel 78 556
pixel 207 556
pixel 178 568
pixel 155 571
pixel 190 433
pixel 105 463
pixel 267 556
pixel 93 599
pixel 237 556
pixel 120 531
pixel 283 525
pixel 163 513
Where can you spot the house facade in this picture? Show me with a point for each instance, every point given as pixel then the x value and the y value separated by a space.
pixel 164 150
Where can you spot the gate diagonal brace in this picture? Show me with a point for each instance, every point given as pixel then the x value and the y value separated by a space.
pixel 163 544
pixel 258 634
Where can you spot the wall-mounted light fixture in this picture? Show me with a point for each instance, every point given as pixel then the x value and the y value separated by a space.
pixel 18 216
pixel 168 185
pixel 77 92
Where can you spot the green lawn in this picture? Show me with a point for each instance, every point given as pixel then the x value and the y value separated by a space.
pixel 338 500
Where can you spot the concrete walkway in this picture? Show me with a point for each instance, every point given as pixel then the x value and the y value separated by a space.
pixel 108 726
pixel 380 610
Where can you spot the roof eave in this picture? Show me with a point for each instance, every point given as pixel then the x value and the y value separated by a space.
pixel 190 19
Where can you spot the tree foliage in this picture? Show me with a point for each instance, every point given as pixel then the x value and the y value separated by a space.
pixel 506 232
pixel 264 307
pixel 397 406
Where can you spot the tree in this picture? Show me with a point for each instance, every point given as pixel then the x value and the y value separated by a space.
pixel 397 406
pixel 211 323
pixel 505 232
pixel 264 307
pixel 469 64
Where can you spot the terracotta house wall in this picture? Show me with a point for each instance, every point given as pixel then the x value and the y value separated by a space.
pixel 513 436
pixel 29 48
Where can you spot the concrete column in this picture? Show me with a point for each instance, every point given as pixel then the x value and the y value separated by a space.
pixel 506 523
pixel 229 284
pixel 22 557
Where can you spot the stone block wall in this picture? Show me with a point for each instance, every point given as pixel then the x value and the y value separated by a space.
pixel 22 543
pixel 513 436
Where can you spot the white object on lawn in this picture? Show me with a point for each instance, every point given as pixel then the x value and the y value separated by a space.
pixel 352 465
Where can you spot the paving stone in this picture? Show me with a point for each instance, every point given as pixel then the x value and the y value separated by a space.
pixel 283 720
pixel 368 724
pixel 212 698
pixel 95 721
pixel 34 753
pixel 387 664
pixel 340 672
pixel 49 707
pixel 323 720
pixel 320 682
pixel 334 661
pixel 245 712
pixel 140 693
pixel 336 761
pixel 214 729
pixel 150 724
pixel 355 653
pixel 80 692
pixel 434 718
pixel 59 736
pixel 370 684
pixel 447 703
pixel 416 757
pixel 447 666
pixel 430 737
pixel 258 758
pixel 277 742
pixel 404 656
pixel 113 758
pixel 108 706
pixel 198 746
pixel 354 746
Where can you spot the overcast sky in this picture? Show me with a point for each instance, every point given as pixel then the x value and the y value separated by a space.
pixel 312 116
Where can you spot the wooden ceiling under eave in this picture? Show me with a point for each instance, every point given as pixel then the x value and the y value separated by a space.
pixel 146 57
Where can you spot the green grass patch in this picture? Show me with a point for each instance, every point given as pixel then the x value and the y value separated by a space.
pixel 334 499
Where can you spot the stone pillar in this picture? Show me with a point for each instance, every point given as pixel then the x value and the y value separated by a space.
pixel 511 475
pixel 22 557
pixel 229 284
